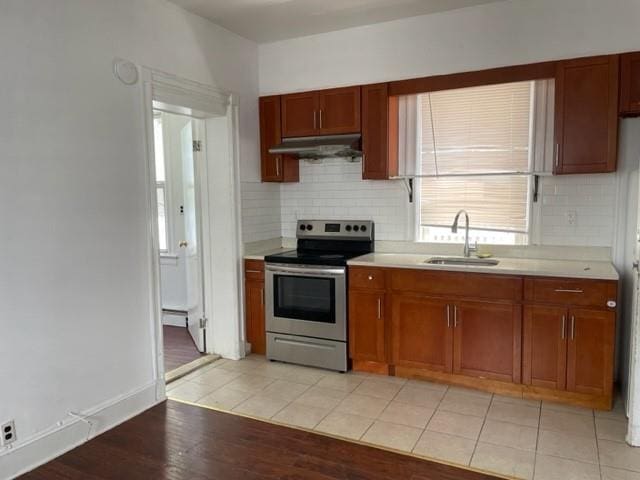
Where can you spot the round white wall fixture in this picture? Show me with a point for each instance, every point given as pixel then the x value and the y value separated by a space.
pixel 125 71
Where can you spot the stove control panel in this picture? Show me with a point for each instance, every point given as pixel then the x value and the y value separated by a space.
pixel 344 229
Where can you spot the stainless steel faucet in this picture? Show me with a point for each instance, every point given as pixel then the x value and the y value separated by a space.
pixel 454 229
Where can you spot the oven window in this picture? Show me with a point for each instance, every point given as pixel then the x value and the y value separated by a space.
pixel 304 298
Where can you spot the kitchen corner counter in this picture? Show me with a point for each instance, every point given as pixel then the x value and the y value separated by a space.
pixel 261 254
pixel 588 269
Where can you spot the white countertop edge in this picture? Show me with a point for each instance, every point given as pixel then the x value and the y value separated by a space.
pixel 602 270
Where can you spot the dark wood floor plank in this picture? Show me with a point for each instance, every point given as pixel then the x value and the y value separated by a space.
pixel 179 348
pixel 175 441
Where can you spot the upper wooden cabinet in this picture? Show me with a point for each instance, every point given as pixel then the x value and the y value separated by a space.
pixel 323 112
pixel 630 84
pixel 379 132
pixel 586 115
pixel 274 168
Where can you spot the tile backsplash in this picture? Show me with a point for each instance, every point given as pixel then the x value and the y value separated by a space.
pixel 575 210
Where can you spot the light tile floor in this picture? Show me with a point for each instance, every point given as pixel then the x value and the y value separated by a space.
pixel 512 437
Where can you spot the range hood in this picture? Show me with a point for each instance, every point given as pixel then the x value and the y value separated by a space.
pixel 324 146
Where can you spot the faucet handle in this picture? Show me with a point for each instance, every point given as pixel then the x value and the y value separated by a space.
pixel 474 247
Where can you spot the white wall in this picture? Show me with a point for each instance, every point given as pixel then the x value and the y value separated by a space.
pixel 497 34
pixel 75 245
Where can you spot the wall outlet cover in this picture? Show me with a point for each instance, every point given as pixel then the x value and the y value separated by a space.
pixel 572 217
pixel 7 433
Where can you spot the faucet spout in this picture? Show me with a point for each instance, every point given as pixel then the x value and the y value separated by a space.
pixel 454 229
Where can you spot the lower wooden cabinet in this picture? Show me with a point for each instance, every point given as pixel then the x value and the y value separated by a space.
pixel 421 333
pixel 254 306
pixel 544 347
pixel 367 326
pixel 487 340
pixel 569 349
pixel 590 345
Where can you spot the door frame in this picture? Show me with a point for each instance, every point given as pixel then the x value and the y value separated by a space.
pixel 186 97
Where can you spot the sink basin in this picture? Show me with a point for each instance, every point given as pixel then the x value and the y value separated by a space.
pixel 481 262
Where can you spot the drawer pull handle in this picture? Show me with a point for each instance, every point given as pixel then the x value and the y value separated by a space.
pixel 252 271
pixel 448 316
pixel 379 308
pixel 569 290
pixel 564 321
pixel 455 316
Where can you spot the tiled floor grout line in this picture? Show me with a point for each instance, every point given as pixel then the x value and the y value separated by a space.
pixel 535 453
pixel 385 407
pixel 595 431
pixel 484 420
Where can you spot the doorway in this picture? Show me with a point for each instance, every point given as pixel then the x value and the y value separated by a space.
pixel 179 193
pixel 203 236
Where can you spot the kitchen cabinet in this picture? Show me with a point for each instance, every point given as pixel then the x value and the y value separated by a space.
pixel 421 333
pixel 254 306
pixel 586 115
pixel 324 112
pixel 367 326
pixel 590 345
pixel 570 345
pixel 630 84
pixel 487 340
pixel 274 168
pixel 379 133
pixel 545 347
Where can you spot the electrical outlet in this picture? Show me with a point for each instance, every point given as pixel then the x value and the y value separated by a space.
pixel 8 432
pixel 572 217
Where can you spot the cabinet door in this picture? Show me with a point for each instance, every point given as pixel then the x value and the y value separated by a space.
pixel 274 168
pixel 366 326
pixel 586 113
pixel 544 349
pixel 339 111
pixel 630 84
pixel 256 336
pixel 590 351
pixel 379 133
pixel 422 333
pixel 486 341
pixel 300 114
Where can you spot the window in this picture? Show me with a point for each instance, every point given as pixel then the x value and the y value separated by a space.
pixel 161 190
pixel 474 152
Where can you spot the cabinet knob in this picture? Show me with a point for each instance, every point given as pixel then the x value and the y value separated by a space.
pixel 370 277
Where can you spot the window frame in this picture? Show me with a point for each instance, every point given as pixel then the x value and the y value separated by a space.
pixel 540 163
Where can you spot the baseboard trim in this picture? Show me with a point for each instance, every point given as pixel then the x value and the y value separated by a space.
pixel 73 432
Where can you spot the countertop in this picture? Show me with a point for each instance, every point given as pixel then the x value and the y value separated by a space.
pixel 589 269
pixel 261 254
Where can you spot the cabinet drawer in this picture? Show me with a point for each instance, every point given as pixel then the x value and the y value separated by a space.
pixel 570 291
pixel 363 277
pixel 467 285
pixel 254 269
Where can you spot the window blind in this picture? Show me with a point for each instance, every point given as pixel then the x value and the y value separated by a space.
pixel 479 130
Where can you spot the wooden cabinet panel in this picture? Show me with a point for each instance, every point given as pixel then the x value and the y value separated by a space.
pixel 466 285
pixel 274 168
pixel 590 346
pixel 299 114
pixel 379 132
pixel 422 333
pixel 339 111
pixel 630 84
pixel 586 115
pixel 486 340
pixel 544 347
pixel 364 277
pixel 254 270
pixel 570 291
pixel 366 326
pixel 255 327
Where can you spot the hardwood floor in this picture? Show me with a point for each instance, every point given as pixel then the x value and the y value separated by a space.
pixel 175 441
pixel 179 348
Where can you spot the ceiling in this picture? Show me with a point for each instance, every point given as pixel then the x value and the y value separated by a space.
pixel 266 21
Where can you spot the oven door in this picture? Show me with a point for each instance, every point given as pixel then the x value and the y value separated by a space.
pixel 306 300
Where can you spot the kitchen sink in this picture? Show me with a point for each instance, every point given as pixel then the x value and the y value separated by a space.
pixel 481 262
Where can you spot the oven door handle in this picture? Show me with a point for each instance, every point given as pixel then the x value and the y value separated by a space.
pixel 307 271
